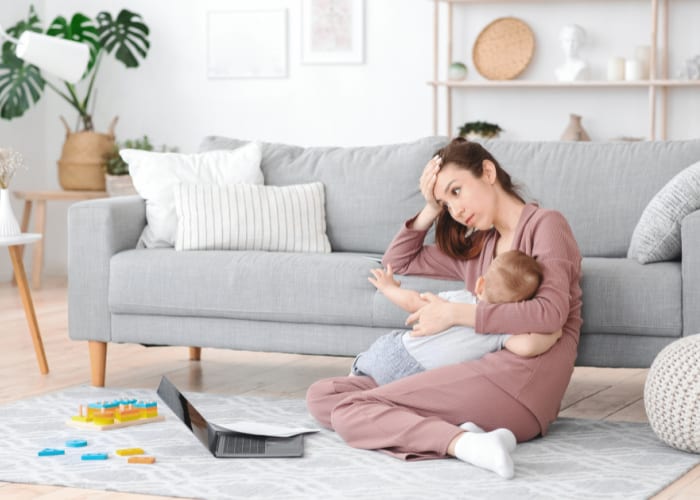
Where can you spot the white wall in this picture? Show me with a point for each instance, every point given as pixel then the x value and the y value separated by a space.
pixel 384 100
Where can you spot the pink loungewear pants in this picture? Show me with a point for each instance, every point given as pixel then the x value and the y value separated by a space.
pixel 418 416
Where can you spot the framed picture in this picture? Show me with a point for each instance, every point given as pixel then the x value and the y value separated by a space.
pixel 247 44
pixel 332 32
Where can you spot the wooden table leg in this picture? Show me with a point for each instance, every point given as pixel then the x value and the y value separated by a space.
pixel 26 214
pixel 38 260
pixel 25 294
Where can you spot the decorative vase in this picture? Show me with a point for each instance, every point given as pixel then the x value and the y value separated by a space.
pixel 575 131
pixel 8 223
pixel 81 166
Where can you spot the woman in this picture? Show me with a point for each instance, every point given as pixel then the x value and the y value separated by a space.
pixel 479 216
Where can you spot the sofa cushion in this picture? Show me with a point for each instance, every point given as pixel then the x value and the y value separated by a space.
pixel 369 190
pixel 601 188
pixel 250 217
pixel 657 236
pixel 267 286
pixel 155 176
pixel 620 296
pixel 624 296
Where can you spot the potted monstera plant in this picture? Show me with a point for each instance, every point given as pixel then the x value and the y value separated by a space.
pixel 124 37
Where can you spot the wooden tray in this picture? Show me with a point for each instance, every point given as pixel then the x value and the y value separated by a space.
pixel 503 49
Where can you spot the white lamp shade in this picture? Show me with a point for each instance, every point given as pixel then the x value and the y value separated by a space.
pixel 63 58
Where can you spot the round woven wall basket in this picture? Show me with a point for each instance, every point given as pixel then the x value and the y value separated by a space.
pixel 503 49
pixel 671 396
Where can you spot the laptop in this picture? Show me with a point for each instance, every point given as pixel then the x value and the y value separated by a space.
pixel 222 442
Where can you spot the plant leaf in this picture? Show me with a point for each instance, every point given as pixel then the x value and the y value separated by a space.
pixel 80 29
pixel 127 33
pixel 21 84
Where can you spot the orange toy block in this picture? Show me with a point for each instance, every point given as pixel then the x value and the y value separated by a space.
pixel 127 414
pixel 141 460
pixel 103 417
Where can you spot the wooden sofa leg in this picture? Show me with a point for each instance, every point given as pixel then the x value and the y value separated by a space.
pixel 98 362
pixel 195 353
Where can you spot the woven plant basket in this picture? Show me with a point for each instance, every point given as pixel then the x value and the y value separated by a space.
pixel 81 166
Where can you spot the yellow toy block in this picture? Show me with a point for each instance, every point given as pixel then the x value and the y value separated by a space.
pixel 82 415
pixel 130 451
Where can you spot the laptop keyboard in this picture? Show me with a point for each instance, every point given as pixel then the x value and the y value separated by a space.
pixel 241 445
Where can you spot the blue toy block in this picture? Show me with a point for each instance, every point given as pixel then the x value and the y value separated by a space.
pixel 50 452
pixel 93 456
pixel 76 443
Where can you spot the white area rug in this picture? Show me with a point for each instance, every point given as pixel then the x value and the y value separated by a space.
pixel 583 459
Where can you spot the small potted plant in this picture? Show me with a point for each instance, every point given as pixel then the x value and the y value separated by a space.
pixel 117 179
pixel 457 71
pixel 482 130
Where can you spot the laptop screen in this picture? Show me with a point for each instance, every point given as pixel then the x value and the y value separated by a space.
pixel 184 410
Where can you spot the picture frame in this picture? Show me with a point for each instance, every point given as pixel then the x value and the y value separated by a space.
pixel 247 44
pixel 333 32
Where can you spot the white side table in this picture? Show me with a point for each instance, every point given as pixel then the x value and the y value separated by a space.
pixel 15 244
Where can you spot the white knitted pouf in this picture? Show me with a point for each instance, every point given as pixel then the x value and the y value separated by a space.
pixel 672 394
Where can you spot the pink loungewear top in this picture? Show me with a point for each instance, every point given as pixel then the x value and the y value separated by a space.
pixel 538 383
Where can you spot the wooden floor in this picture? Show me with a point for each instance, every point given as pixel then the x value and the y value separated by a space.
pixel 595 393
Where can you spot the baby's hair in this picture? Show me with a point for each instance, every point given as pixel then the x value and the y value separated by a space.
pixel 512 277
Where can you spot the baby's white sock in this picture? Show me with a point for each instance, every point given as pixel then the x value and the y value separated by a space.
pixel 486 450
pixel 506 437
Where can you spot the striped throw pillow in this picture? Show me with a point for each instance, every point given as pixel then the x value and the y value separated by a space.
pixel 251 217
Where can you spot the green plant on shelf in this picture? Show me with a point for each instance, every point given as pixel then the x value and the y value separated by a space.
pixel 115 165
pixel 482 129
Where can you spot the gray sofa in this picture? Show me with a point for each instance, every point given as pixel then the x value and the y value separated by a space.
pixel 323 303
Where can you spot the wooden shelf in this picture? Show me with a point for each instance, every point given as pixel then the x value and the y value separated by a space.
pixel 511 1
pixel 645 84
pixel 657 87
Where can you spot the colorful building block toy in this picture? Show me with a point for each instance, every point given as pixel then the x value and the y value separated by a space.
pixel 141 460
pixel 123 412
pixel 94 456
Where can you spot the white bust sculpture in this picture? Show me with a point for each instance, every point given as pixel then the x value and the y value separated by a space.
pixel 572 36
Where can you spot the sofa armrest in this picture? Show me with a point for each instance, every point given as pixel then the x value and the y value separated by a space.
pixel 690 240
pixel 97 229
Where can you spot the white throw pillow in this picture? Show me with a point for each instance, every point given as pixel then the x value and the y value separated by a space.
pixel 155 176
pixel 251 217
pixel 657 236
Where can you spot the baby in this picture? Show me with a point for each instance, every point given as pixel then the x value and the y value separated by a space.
pixel 513 276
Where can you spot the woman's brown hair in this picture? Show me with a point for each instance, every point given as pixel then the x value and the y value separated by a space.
pixel 453 238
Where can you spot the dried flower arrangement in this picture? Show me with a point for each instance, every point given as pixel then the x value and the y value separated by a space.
pixel 10 162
